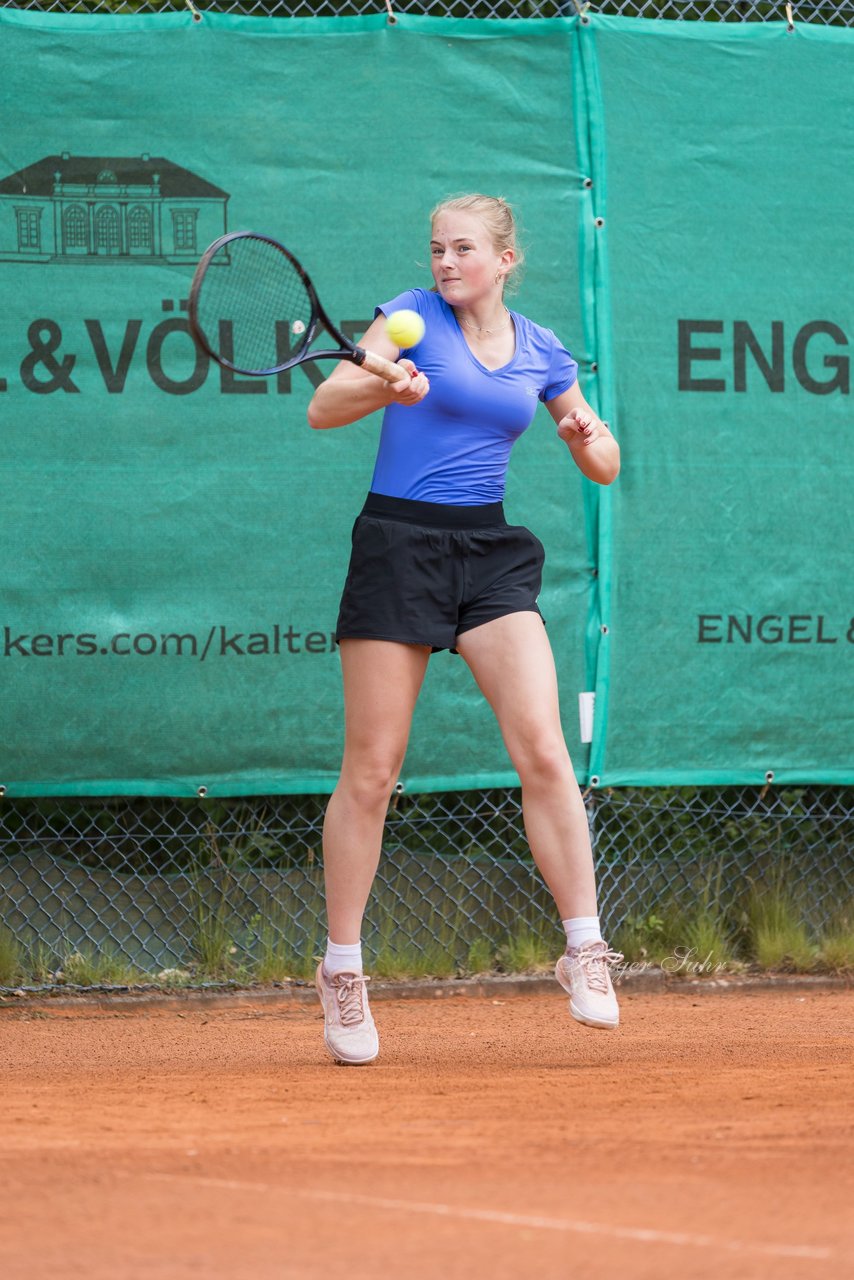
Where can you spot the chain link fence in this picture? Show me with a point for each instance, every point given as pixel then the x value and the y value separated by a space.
pixel 190 889
pixel 837 12
pixel 199 888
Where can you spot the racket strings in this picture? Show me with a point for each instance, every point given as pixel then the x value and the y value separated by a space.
pixel 253 306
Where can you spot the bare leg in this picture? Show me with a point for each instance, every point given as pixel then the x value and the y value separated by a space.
pixel 511 660
pixel 382 681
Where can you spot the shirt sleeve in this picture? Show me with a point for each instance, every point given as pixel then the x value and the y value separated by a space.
pixel 410 300
pixel 563 371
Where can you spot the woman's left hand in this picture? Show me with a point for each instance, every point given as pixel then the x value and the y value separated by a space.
pixel 580 427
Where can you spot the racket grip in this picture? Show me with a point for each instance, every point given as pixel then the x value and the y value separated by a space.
pixel 383 368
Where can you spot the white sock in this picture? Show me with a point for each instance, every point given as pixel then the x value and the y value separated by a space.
pixel 582 929
pixel 342 959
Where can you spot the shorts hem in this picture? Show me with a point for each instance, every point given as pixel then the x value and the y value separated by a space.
pixel 503 613
pixel 373 635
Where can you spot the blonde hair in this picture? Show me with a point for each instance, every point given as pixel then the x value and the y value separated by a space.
pixel 499 222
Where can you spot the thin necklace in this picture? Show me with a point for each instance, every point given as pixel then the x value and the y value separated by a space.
pixel 478 328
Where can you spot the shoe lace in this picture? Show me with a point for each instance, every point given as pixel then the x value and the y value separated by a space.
pixel 349 989
pixel 594 958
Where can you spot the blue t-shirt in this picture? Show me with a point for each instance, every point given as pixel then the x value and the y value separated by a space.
pixel 454 446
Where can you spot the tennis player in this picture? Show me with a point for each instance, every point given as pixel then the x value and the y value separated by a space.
pixel 436 566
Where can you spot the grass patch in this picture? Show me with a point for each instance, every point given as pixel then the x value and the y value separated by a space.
pixel 408 960
pixel 481 957
pixel 280 954
pixel 212 945
pixel 86 967
pixel 41 964
pixel 710 939
pixel 700 938
pixel 529 950
pixel 213 948
pixel 785 947
pixel 648 935
pixel 429 944
pixel 710 936
pixel 836 943
pixel 779 939
pixel 11 959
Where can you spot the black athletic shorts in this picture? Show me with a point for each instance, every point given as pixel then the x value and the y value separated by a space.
pixel 424 572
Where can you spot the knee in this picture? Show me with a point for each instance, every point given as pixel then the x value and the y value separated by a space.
pixel 370 779
pixel 542 759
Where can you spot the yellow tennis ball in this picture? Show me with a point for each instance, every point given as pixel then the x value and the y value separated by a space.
pixel 405 328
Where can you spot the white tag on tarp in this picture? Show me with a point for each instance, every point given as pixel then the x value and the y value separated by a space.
pixel 586 705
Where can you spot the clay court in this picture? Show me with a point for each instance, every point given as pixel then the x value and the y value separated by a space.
pixel 711 1135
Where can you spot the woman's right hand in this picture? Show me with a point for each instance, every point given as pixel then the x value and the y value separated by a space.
pixel 412 388
pixel 351 392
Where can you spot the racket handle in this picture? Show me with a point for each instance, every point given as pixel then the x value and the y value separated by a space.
pixel 381 367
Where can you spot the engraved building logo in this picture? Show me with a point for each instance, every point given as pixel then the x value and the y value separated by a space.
pixel 118 209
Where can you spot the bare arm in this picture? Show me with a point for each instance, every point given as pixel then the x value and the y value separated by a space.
pixel 350 393
pixel 594 450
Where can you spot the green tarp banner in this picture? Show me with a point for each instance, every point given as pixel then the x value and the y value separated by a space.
pixel 725 158
pixel 175 541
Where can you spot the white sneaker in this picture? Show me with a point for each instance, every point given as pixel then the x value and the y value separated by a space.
pixel 349 1032
pixel 583 972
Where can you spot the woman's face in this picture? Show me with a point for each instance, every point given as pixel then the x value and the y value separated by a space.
pixel 463 259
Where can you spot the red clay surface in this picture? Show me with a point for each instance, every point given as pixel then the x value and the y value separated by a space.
pixel 710 1136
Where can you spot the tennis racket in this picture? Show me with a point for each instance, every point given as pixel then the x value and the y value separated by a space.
pixel 254 310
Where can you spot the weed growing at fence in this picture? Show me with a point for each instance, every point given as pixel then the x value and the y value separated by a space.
pixel 428 950
pixel 40 965
pixel 406 960
pixel 786 947
pixel 481 957
pixel 89 967
pixel 643 936
pixel 708 936
pixel 213 948
pixel 281 951
pixel 662 936
pixel 529 949
pixel 836 945
pixel 778 937
pixel 11 959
